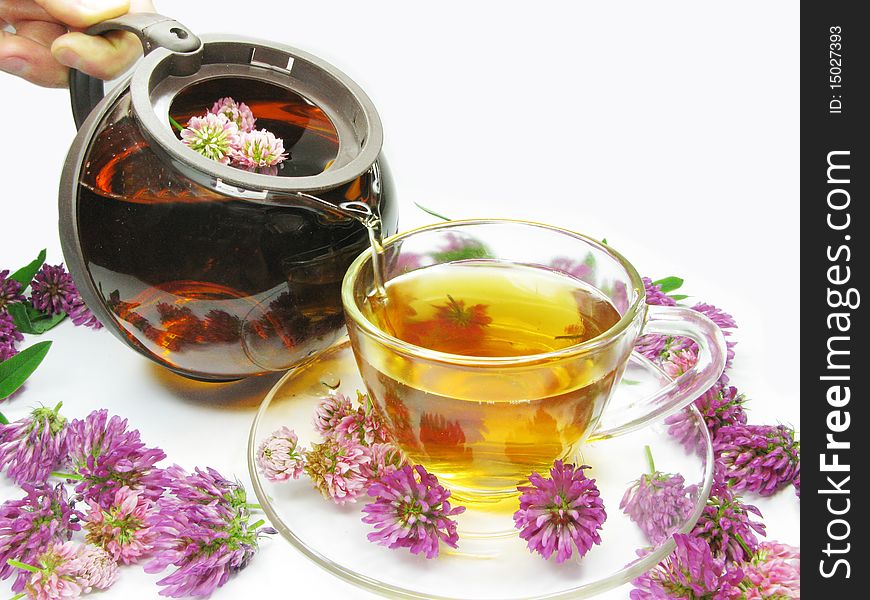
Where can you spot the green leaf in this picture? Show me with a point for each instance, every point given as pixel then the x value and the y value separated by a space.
pixel 431 211
pixel 42 325
pixel 679 297
pixel 18 312
pixel 15 371
pixel 468 250
pixel 3 419
pixel 24 275
pixel 30 320
pixel 589 261
pixel 669 284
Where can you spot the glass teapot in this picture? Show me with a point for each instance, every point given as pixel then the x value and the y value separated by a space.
pixel 215 272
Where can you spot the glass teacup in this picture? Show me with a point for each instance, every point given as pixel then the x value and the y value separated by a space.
pixel 483 410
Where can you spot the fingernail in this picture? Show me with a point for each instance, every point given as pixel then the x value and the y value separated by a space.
pixel 15 66
pixel 68 58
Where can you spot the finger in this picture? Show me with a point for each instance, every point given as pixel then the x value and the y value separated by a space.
pixel 14 11
pixel 40 32
pixel 141 6
pixel 102 56
pixel 84 13
pixel 31 61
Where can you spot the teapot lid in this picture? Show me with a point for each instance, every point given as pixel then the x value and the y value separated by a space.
pixel 166 72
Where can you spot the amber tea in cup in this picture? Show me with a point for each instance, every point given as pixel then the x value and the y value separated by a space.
pixel 458 424
pixel 497 347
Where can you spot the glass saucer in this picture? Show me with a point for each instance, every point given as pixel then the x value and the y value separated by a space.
pixel 486 566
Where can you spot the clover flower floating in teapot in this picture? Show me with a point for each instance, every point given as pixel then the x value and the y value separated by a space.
pixel 226 133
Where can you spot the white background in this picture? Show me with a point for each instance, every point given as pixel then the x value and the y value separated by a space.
pixel 670 129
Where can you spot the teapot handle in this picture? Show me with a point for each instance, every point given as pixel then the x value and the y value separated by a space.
pixel 154 31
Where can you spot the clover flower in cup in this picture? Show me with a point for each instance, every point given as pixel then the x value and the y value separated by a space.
pixel 411 510
pixel 758 458
pixel 237 112
pixel 122 529
pixel 337 469
pixel 258 149
pixel 204 530
pixel 691 572
pixel 10 291
pixel 52 290
pixel 658 502
pixel 279 456
pixel 32 447
pixel 214 136
pixel 28 526
pixel 773 572
pixel 9 337
pixel 105 456
pixel 560 513
pixel 440 435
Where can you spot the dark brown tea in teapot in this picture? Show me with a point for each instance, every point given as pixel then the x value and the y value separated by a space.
pixel 204 282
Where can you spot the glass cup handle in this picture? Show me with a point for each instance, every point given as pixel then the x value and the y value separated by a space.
pixel 679 393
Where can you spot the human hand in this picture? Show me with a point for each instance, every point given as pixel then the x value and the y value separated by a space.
pixel 48 39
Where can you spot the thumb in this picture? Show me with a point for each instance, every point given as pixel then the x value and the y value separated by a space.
pixel 84 13
pixel 102 56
